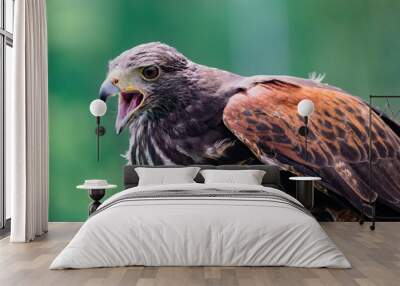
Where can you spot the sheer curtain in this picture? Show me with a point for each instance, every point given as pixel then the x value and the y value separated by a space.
pixel 27 124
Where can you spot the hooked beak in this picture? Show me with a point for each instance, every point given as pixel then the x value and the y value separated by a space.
pixel 107 89
pixel 130 99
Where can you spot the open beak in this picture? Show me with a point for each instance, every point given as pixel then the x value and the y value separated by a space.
pixel 130 100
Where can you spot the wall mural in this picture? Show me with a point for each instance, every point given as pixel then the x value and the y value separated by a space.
pixel 181 112
pixel 189 113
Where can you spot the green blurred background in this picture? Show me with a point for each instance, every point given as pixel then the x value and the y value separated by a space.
pixel 356 43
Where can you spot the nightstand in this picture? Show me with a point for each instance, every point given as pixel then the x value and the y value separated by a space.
pixel 96 190
pixel 305 190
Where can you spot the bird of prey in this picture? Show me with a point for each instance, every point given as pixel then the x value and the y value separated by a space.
pixel 180 112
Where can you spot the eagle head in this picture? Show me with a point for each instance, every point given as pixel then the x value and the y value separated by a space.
pixel 148 78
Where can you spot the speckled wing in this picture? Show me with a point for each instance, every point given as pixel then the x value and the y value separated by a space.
pixel 264 116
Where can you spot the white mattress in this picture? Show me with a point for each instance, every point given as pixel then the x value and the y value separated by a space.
pixel 200 231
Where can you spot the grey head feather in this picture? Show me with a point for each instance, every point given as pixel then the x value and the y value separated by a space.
pixel 180 121
pixel 149 54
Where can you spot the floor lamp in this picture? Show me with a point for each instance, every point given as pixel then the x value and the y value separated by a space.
pixel 371 205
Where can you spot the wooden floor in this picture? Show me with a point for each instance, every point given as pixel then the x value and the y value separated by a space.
pixel 375 257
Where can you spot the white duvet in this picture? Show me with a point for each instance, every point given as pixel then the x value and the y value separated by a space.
pixel 200 231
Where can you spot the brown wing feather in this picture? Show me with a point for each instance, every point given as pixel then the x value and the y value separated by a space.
pixel 264 116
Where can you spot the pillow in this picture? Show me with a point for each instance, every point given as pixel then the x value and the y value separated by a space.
pixel 164 176
pixel 248 177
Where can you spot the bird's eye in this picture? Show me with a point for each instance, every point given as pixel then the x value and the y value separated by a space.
pixel 150 73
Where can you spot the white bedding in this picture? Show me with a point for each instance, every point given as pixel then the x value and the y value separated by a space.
pixel 200 231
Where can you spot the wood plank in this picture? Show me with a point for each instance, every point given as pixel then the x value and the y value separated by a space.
pixel 375 257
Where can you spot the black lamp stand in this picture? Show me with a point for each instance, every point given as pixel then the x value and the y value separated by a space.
pixel 303 131
pixel 370 206
pixel 305 189
pixel 100 131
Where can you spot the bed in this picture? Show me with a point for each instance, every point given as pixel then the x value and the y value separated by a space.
pixel 197 224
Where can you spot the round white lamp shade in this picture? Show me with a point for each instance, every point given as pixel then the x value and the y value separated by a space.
pixel 98 107
pixel 305 107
